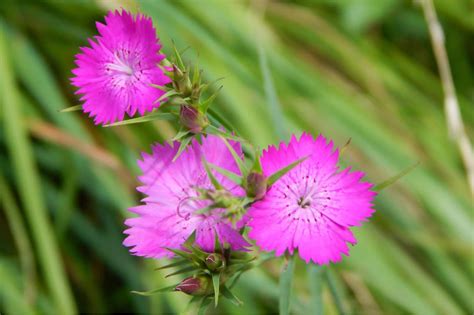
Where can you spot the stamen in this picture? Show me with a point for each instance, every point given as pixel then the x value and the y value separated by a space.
pixel 304 202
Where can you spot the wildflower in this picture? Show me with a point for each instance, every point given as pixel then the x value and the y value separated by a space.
pixel 173 200
pixel 116 73
pixel 312 207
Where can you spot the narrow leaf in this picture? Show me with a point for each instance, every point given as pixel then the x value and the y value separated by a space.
pixel 213 130
pixel 216 285
pixel 205 105
pixel 152 292
pixel 221 120
pixel 228 174
pixel 211 176
pixel 196 75
pixel 277 175
pixel 231 296
pixel 286 281
pixel 180 271
pixel 194 300
pixel 181 134
pixel 393 179
pixel 179 60
pixel 237 158
pixel 184 143
pixel 175 264
pixel 166 95
pixel 155 116
pixel 345 147
pixel 71 109
pixel 202 308
pixel 205 209
pixel 180 253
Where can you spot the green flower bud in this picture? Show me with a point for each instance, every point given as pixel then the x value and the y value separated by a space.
pixel 192 119
pixel 200 285
pixel 256 186
pixel 214 261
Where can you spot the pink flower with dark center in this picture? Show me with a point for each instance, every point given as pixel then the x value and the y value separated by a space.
pixel 116 73
pixel 169 216
pixel 312 207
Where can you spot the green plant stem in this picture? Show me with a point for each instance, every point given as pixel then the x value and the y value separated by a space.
pixel 315 278
pixel 335 292
pixel 286 282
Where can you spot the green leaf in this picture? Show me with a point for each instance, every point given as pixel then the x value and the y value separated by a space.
pixel 180 271
pixel 286 282
pixel 345 147
pixel 205 209
pixel 228 174
pixel 196 81
pixel 393 179
pixel 182 146
pixel 204 106
pixel 180 252
pixel 155 116
pixel 216 285
pixel 204 304
pixel 170 288
pixel 174 264
pixel 238 160
pixel 221 120
pixel 280 173
pixel 230 296
pixel 166 95
pixel 211 176
pixel 71 109
pixel 213 130
pixel 179 60
pixel 181 134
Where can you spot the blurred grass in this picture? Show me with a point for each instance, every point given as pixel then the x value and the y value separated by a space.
pixel 360 69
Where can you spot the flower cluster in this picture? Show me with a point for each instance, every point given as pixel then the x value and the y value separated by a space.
pixel 205 202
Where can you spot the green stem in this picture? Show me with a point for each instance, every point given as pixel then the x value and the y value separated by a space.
pixel 335 292
pixel 315 278
pixel 286 281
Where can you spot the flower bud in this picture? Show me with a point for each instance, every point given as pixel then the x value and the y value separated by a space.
pixel 200 285
pixel 256 185
pixel 192 119
pixel 214 261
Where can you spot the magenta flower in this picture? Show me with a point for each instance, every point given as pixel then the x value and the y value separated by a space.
pixel 115 74
pixel 312 207
pixel 168 216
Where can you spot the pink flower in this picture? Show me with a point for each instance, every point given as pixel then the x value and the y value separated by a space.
pixel 312 207
pixel 115 74
pixel 168 216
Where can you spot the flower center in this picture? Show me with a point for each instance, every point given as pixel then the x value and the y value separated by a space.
pixel 120 66
pixel 304 202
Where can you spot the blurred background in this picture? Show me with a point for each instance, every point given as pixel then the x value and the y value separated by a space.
pixel 361 69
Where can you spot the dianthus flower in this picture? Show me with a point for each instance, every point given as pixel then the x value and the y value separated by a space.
pixel 169 216
pixel 312 207
pixel 116 73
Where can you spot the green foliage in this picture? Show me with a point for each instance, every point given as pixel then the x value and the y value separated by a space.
pixel 347 69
